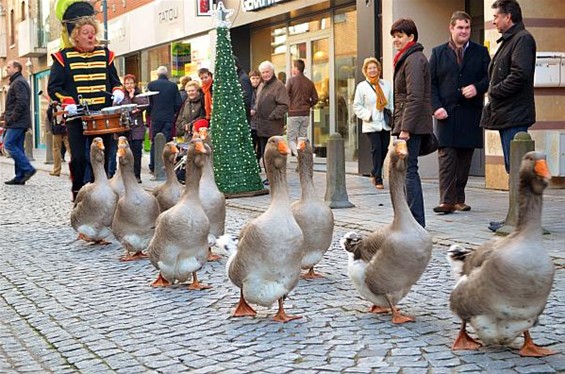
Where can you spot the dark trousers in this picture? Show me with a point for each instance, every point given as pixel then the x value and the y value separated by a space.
pixel 379 147
pixel 164 127
pixel 79 161
pixel 136 148
pixel 414 194
pixel 506 136
pixel 454 166
pixel 255 142
pixel 263 140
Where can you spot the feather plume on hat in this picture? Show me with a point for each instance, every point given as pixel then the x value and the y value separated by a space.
pixel 69 12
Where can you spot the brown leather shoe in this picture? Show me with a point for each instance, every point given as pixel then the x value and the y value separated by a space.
pixel 380 186
pixel 462 207
pixel 445 208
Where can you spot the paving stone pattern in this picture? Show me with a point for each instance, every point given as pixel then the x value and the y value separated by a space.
pixel 67 306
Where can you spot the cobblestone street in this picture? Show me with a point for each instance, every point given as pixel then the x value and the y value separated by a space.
pixel 67 306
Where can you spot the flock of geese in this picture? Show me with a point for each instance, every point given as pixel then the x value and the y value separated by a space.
pixel 501 287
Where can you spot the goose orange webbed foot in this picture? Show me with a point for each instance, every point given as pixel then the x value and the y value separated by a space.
pixel 196 285
pixel 529 349
pixel 464 341
pixel 160 282
pixel 213 256
pixel 243 309
pixel 379 310
pixel 281 315
pixel 92 241
pixel 311 274
pixel 397 317
pixel 135 257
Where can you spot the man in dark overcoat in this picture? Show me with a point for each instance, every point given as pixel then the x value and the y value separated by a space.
pixel 459 72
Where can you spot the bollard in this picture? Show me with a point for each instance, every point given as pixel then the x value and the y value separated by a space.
pixel 29 146
pixel 48 148
pixel 158 145
pixel 519 146
pixel 336 193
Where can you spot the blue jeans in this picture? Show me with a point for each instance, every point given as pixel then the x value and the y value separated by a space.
pixel 14 143
pixel 506 136
pixel 414 194
pixel 112 152
pixel 157 127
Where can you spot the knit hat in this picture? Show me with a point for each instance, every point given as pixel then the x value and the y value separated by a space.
pixel 200 123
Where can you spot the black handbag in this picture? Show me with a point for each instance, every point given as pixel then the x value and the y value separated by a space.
pixel 429 144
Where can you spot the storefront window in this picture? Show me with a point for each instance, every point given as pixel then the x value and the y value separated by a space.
pixel 275 37
pixel 345 60
pixel 151 60
pixel 312 24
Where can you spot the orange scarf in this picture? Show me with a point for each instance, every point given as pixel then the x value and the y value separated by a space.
pixel 381 99
pixel 206 88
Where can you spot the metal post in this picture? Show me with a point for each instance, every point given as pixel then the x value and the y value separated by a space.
pixel 29 146
pixel 158 145
pixel 519 146
pixel 336 193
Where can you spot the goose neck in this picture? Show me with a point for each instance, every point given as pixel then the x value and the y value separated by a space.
pixel 99 172
pixel 306 181
pixel 278 183
pixel 397 184
pixel 192 181
pixel 170 170
pixel 529 210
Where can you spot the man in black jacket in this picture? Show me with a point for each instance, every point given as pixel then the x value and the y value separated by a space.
pixel 511 106
pixel 459 82
pixel 162 108
pixel 18 121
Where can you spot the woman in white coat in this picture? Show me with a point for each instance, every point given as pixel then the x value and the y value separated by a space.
pixel 372 96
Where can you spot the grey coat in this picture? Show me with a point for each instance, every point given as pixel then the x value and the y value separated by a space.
pixel 412 93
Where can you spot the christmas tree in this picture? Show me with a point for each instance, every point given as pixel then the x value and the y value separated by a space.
pixel 235 166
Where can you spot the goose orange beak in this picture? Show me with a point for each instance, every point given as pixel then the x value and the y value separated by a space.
pixel 301 145
pixel 541 169
pixel 121 152
pixel 282 147
pixel 99 144
pixel 174 149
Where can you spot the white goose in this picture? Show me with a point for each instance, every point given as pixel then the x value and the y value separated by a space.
pixel 502 286
pixel 266 264
pixel 96 202
pixel 387 263
pixel 312 214
pixel 179 247
pixel 137 210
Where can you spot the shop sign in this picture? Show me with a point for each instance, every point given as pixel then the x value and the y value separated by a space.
pixel 253 5
pixel 169 12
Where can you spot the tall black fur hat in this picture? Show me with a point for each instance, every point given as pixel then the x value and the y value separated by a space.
pixel 74 12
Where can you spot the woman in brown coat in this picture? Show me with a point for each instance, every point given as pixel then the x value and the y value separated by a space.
pixel 412 105
pixel 271 105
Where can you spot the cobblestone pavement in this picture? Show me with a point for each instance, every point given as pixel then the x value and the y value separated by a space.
pixel 66 306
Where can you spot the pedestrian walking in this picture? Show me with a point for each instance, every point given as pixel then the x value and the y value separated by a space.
pixel 18 121
pixel 303 96
pixel 162 109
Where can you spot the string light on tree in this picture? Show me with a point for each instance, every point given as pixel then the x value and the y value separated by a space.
pixel 235 166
